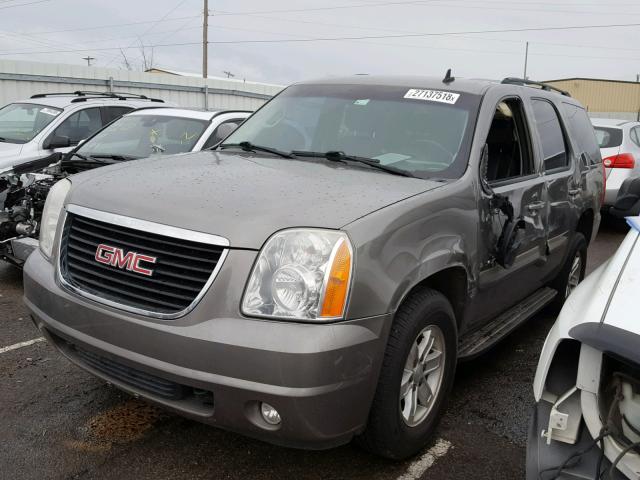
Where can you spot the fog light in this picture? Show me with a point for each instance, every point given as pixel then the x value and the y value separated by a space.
pixel 270 414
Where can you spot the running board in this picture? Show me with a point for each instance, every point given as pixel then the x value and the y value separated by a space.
pixel 481 340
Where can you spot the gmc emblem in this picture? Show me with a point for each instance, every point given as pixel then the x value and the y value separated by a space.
pixel 130 261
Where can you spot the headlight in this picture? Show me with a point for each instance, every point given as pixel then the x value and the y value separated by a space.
pixel 51 214
pixel 301 274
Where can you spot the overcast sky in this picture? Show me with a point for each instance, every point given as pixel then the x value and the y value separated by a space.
pixel 34 26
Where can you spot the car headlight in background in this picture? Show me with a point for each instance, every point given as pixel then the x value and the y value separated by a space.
pixel 51 215
pixel 301 274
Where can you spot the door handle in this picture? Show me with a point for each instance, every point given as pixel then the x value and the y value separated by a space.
pixel 535 206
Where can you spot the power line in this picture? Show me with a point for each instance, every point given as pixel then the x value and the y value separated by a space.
pixel 24 4
pixel 430 34
pixel 319 9
pixel 343 38
pixel 117 25
pixel 153 26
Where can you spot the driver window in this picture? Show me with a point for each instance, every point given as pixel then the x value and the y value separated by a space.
pixel 509 152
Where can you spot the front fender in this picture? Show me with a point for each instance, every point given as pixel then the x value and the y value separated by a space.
pixel 402 245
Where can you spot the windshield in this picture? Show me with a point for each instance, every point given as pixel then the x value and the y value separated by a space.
pixel 140 136
pixel 21 122
pixel 423 132
pixel 608 137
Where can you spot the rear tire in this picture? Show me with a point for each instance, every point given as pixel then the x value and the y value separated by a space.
pixel 411 391
pixel 572 272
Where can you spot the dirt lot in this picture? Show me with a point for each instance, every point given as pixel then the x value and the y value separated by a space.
pixel 58 422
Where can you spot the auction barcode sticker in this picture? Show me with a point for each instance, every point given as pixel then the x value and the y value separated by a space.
pixel 432 95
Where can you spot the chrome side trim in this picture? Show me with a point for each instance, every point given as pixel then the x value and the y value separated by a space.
pixel 146 226
pixel 154 228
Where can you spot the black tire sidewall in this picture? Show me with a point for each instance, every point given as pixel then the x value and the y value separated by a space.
pixel 393 438
pixel 578 244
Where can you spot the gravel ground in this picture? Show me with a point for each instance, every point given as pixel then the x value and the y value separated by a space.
pixel 58 422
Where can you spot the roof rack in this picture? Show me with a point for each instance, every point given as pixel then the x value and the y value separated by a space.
pixel 84 95
pixel 531 83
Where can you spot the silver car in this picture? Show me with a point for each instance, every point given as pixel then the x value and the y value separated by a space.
pixel 56 122
pixel 619 142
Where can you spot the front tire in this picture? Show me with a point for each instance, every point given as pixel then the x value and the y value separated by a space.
pixel 416 377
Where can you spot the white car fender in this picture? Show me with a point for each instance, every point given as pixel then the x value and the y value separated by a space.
pixel 588 303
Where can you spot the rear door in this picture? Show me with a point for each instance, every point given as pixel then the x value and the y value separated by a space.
pixel 560 177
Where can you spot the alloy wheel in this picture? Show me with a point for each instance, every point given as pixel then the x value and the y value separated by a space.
pixel 574 274
pixel 422 375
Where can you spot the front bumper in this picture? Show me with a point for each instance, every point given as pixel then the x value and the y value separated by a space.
pixel 320 378
pixel 541 456
pixel 17 250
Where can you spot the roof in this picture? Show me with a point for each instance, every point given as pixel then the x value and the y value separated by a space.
pixel 476 87
pixel 590 80
pixel 181 112
pixel 63 101
pixel 199 75
pixel 610 122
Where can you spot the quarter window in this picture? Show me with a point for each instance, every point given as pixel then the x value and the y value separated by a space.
pixel 635 135
pixel 222 131
pixel 582 132
pixel 554 147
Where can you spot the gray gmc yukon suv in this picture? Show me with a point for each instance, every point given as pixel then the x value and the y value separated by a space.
pixel 317 276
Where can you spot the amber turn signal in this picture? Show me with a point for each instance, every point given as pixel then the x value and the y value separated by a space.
pixel 337 286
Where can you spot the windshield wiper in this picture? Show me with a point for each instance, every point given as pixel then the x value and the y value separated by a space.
pixel 336 156
pixel 115 157
pixel 82 157
pixel 250 147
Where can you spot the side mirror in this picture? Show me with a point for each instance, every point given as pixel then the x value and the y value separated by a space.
pixel 57 141
pixel 484 168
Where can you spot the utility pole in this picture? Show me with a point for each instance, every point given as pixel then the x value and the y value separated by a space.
pixel 526 60
pixel 228 74
pixel 205 39
pixel 88 58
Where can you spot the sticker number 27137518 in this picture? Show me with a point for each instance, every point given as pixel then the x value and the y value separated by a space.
pixel 432 95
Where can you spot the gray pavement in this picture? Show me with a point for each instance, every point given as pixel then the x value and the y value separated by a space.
pixel 58 422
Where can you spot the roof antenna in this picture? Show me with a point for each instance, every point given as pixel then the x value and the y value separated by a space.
pixel 448 78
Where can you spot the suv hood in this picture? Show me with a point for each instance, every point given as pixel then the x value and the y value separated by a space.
pixel 243 197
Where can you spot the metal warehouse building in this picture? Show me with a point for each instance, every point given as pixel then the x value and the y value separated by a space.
pixel 20 80
pixel 604 98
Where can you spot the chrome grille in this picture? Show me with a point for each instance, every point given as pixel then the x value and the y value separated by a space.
pixel 181 272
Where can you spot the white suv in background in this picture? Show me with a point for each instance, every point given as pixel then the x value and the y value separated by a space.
pixel 56 122
pixel 619 142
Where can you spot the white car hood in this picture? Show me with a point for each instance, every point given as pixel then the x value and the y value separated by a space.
pixel 9 154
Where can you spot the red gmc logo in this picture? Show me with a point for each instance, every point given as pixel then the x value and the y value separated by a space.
pixel 130 261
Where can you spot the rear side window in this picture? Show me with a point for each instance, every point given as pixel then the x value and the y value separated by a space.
pixel 608 137
pixel 111 113
pixel 549 128
pixel 581 130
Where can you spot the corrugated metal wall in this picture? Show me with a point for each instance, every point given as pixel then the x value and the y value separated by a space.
pixel 604 98
pixel 20 80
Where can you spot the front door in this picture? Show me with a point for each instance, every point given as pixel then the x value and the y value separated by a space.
pixel 513 215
